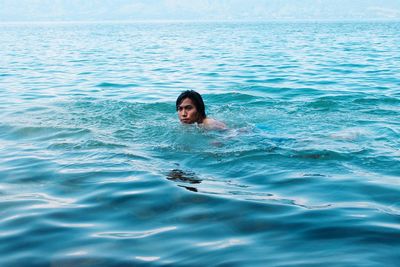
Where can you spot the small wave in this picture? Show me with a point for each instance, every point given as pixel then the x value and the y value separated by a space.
pixel 38 200
pixel 232 98
pixel 350 134
pixel 43 133
pixel 222 244
pixel 117 85
pixel 271 80
pixel 341 71
pixel 325 154
pixel 377 100
pixel 210 74
pixel 354 65
pixel 134 235
pixel 323 104
pixel 97 144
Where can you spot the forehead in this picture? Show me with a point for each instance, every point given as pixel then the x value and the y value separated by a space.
pixel 186 102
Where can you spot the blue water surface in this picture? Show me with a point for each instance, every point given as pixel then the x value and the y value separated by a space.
pixel 97 171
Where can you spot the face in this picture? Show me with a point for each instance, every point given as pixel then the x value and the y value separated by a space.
pixel 187 112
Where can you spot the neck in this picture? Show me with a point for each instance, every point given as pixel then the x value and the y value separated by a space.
pixel 201 119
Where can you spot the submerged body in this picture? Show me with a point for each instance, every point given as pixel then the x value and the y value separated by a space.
pixel 191 109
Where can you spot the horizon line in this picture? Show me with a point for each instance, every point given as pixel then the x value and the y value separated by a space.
pixel 204 20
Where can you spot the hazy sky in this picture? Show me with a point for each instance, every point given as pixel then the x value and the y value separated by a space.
pixel 70 10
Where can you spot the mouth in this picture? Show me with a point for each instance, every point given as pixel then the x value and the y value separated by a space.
pixel 187 121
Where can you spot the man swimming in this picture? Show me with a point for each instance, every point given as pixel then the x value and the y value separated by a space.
pixel 191 109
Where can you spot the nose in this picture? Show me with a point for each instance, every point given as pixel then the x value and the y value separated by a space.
pixel 184 113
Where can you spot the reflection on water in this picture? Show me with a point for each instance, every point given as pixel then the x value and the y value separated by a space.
pixel 181 176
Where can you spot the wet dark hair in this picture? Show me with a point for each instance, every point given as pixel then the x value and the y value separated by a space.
pixel 197 101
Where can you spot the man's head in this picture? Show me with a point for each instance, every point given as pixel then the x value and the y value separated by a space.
pixel 190 107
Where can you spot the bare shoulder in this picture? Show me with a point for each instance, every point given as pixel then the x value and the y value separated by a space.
pixel 211 124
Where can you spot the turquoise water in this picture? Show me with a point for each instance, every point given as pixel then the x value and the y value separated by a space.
pixel 97 171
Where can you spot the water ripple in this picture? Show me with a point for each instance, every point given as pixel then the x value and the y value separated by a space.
pixel 139 234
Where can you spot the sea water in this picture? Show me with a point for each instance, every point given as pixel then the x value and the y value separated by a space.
pixel 96 169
